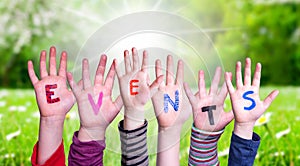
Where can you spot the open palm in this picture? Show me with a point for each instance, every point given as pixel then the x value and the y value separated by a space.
pixel 95 105
pixel 219 118
pixel 64 97
pixel 170 116
pixel 245 100
pixel 143 90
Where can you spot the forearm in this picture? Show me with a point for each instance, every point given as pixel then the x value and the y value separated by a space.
pixel 134 145
pixel 168 146
pixel 203 149
pixel 243 151
pixel 50 137
pixel 133 117
pixel 86 153
pixel 57 158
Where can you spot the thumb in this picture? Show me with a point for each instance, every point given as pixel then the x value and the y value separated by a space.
pixel 155 84
pixel 269 99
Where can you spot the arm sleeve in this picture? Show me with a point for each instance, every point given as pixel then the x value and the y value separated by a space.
pixel 203 148
pixel 86 153
pixel 134 145
pixel 242 151
pixel 57 158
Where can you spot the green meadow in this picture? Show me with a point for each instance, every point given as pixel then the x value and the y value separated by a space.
pixel 19 121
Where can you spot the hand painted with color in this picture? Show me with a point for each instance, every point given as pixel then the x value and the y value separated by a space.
pixel 217 119
pixel 95 106
pixel 52 94
pixel 168 100
pixel 246 104
pixel 135 88
pixel 54 101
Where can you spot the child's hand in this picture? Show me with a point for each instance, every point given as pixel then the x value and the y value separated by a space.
pixel 54 101
pixel 245 100
pixel 171 112
pixel 52 94
pixel 135 88
pixel 95 106
pixel 213 101
pixel 168 115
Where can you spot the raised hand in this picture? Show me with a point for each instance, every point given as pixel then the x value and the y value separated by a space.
pixel 202 103
pixel 245 100
pixel 95 106
pixel 171 92
pixel 171 112
pixel 135 88
pixel 52 94
pixel 54 101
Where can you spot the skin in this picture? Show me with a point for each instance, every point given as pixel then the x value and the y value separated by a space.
pixel 92 126
pixel 52 115
pixel 170 123
pixel 134 104
pixel 213 97
pixel 245 120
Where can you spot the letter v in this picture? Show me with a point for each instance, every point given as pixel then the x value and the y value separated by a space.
pixel 96 108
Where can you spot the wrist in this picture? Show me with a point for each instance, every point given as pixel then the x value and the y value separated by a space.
pixel 133 118
pixel 52 122
pixel 91 134
pixel 168 132
pixel 207 132
pixel 244 130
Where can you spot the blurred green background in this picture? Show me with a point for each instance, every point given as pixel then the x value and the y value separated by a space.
pixel 267 31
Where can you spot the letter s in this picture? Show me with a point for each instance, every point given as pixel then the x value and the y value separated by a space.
pixel 248 98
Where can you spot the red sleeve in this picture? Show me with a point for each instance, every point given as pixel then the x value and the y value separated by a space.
pixel 57 158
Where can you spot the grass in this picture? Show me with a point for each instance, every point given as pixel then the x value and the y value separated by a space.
pixel 18 111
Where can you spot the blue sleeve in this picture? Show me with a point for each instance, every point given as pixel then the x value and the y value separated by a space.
pixel 242 151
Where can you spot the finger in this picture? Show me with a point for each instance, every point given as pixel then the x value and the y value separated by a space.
pixel 148 79
pixel 158 71
pixel 216 80
pixel 179 73
pixel 52 61
pixel 71 81
pixel 86 74
pixel 127 61
pixel 170 80
pixel 238 75
pixel 189 94
pixel 110 78
pixel 229 83
pixel 117 69
pixel 228 117
pixel 145 61
pixel 80 84
pixel 100 70
pixel 247 79
pixel 201 84
pixel 118 103
pixel 63 64
pixel 31 73
pixel 269 99
pixel 155 84
pixel 75 88
pixel 256 79
pixel 223 92
pixel 43 67
pixel 135 57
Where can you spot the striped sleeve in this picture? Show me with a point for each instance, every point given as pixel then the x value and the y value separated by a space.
pixel 134 145
pixel 203 148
